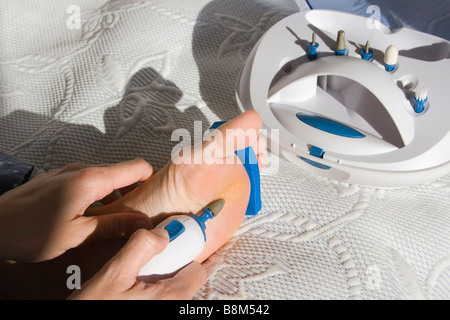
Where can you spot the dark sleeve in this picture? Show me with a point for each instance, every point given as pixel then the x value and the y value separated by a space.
pixel 13 172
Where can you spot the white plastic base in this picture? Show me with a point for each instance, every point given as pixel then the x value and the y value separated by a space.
pixel 399 146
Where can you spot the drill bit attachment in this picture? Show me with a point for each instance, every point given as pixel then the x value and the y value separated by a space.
pixel 366 52
pixel 215 207
pixel 341 47
pixel 312 48
pixel 391 58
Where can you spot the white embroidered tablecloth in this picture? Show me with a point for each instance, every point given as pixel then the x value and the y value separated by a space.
pixel 106 81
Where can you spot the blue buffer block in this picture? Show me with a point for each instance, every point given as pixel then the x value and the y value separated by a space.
pixel 250 162
pixel 248 158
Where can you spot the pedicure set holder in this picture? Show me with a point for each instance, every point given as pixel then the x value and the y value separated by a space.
pixel 351 100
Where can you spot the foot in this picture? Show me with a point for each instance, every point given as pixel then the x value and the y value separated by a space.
pixel 190 181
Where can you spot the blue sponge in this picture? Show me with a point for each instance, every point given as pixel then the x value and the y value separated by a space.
pixel 250 162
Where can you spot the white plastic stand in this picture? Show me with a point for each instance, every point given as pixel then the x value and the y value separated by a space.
pixel 346 118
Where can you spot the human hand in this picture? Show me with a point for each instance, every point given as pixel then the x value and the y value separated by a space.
pixel 45 217
pixel 117 279
pixel 188 186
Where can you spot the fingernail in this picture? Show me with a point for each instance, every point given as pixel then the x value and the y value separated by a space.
pixel 160 232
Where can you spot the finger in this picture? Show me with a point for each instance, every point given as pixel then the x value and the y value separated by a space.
pixel 99 182
pixel 184 285
pixel 140 248
pixel 118 193
pixel 125 174
pixel 117 225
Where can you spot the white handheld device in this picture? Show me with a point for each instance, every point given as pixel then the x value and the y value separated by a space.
pixel 187 240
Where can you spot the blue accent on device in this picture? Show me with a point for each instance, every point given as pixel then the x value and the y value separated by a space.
pixel 367 56
pixel 340 52
pixel 316 164
pixel 330 126
pixel 250 162
pixel 389 67
pixel 312 52
pixel 207 214
pixel 174 228
pixel 419 105
pixel 316 152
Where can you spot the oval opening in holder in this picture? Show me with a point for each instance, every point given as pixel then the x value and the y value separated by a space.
pixel 341 98
pixel 358 99
pixel 341 101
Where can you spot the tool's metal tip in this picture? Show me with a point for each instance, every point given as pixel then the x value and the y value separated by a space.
pixel 340 42
pixel 391 55
pixel 367 48
pixel 216 206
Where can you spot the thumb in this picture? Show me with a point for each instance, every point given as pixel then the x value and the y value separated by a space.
pixel 140 248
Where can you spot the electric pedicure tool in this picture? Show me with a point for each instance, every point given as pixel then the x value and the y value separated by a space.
pixel 186 240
